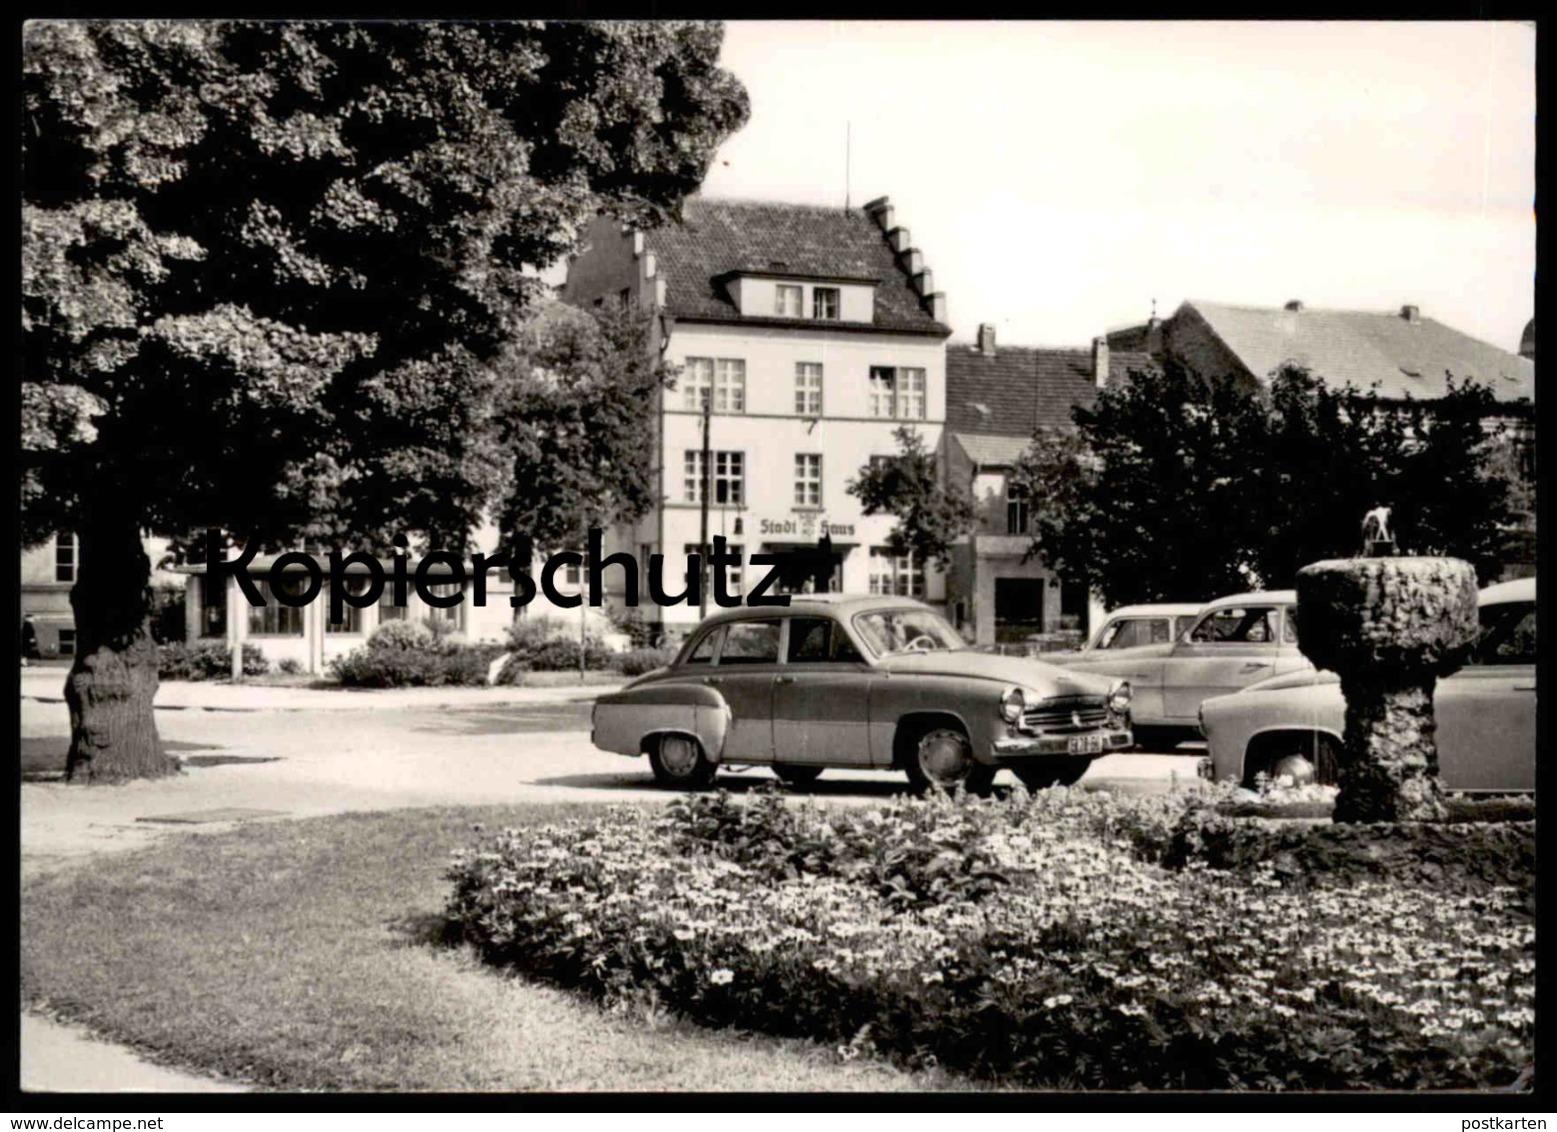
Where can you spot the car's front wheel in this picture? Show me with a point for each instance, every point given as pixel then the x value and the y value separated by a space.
pixel 940 759
pixel 679 763
pixel 1040 774
pixel 797 775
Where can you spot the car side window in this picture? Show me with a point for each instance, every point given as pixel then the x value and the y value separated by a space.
pixel 1507 635
pixel 1110 634
pixel 1289 625
pixel 1237 625
pixel 1181 625
pixel 750 642
pixel 819 640
pixel 1160 632
pixel 703 652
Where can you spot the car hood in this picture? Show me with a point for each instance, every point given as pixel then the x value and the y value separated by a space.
pixel 1101 656
pixel 1039 675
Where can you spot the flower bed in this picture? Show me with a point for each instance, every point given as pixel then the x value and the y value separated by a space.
pixel 1032 941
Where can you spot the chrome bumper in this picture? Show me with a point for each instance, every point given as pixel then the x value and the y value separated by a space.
pixel 1020 745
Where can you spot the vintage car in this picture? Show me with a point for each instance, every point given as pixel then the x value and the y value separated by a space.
pixel 1485 712
pixel 865 683
pixel 1133 625
pixel 1235 642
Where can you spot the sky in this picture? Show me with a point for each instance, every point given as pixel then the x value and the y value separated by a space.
pixel 1059 177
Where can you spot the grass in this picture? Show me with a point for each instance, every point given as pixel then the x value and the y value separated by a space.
pixel 303 956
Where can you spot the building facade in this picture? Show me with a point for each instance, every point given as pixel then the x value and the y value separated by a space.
pixel 811 334
pixel 997 397
pixel 48 573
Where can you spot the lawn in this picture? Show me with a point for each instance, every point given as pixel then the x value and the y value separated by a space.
pixel 304 956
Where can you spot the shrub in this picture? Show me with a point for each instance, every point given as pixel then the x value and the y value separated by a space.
pixel 167 614
pixel 208 661
pixel 514 673
pixel 290 666
pixel 1025 941
pixel 387 667
pixel 639 661
pixel 401 635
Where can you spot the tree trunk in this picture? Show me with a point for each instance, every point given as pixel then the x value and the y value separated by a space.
pixel 113 735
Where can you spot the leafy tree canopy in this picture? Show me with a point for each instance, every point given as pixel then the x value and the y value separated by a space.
pixel 931 515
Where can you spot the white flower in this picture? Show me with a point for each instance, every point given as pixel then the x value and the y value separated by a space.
pixel 1057 1000
pixel 722 976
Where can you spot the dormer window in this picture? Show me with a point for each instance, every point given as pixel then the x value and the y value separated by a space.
pixel 787 300
pixel 824 302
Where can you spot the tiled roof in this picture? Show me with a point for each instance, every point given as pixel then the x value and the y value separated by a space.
pixel 1020 388
pixel 720 236
pixel 1364 348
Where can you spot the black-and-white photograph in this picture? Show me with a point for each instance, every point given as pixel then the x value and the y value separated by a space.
pixel 681 557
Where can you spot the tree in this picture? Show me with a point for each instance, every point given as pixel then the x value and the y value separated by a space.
pixel 1176 488
pixel 572 423
pixel 930 515
pixel 267 268
pixel 1145 500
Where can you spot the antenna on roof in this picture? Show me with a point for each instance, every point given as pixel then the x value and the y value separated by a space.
pixel 1154 308
pixel 847 156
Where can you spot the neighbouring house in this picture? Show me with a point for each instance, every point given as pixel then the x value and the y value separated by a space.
pixel 996 397
pixel 811 333
pixel 1402 354
pixel 48 573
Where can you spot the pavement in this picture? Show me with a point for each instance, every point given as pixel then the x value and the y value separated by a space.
pixel 278 753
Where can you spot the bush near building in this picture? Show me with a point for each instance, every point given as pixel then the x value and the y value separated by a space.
pixel 1037 941
pixel 178 661
pixel 402 654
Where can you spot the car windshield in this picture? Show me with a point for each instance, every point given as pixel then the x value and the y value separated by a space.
pixel 889 631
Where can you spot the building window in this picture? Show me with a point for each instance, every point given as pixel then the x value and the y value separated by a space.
pixel 729 477
pixel 574 573
pixel 895 576
pixel 730 386
pixel 824 302
pixel 732 574
pixel 722 378
pixel 897 392
pixel 351 614
pixel 65 557
pixel 452 613
pixel 808 389
pixel 625 298
pixel 787 300
pixel 387 610
pixel 697 382
pixel 67 642
pixel 808 479
pixel 213 606
pixel 1017 517
pixel 274 619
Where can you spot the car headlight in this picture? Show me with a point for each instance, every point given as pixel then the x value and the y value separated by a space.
pixel 1119 698
pixel 1013 704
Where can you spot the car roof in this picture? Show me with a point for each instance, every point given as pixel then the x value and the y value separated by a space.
pixel 1169 608
pixel 1258 597
pixel 842 604
pixel 1519 589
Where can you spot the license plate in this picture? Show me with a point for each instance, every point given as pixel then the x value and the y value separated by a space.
pixel 1085 744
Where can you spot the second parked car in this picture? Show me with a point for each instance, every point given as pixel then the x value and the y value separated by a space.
pixel 1235 642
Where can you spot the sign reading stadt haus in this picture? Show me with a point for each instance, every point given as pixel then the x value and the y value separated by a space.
pixel 804 526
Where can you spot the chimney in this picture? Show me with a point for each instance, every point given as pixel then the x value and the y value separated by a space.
pixel 987 339
pixel 1154 337
pixel 937 303
pixel 1100 361
pixel 899 239
pixel 1411 314
pixel 924 282
pixel 1294 304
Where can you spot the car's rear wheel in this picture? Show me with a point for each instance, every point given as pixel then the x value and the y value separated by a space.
pixel 939 758
pixel 1040 774
pixel 679 763
pixel 797 775
pixel 1306 758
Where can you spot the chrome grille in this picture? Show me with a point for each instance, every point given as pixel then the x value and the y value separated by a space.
pixel 1067 714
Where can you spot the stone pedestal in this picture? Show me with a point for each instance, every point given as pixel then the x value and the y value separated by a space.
pixel 1389 627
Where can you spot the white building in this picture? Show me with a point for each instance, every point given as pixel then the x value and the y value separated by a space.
pixel 815 333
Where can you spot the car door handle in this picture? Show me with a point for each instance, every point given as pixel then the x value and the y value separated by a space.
pixel 1524 687
pixel 1253 666
pixel 783 679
